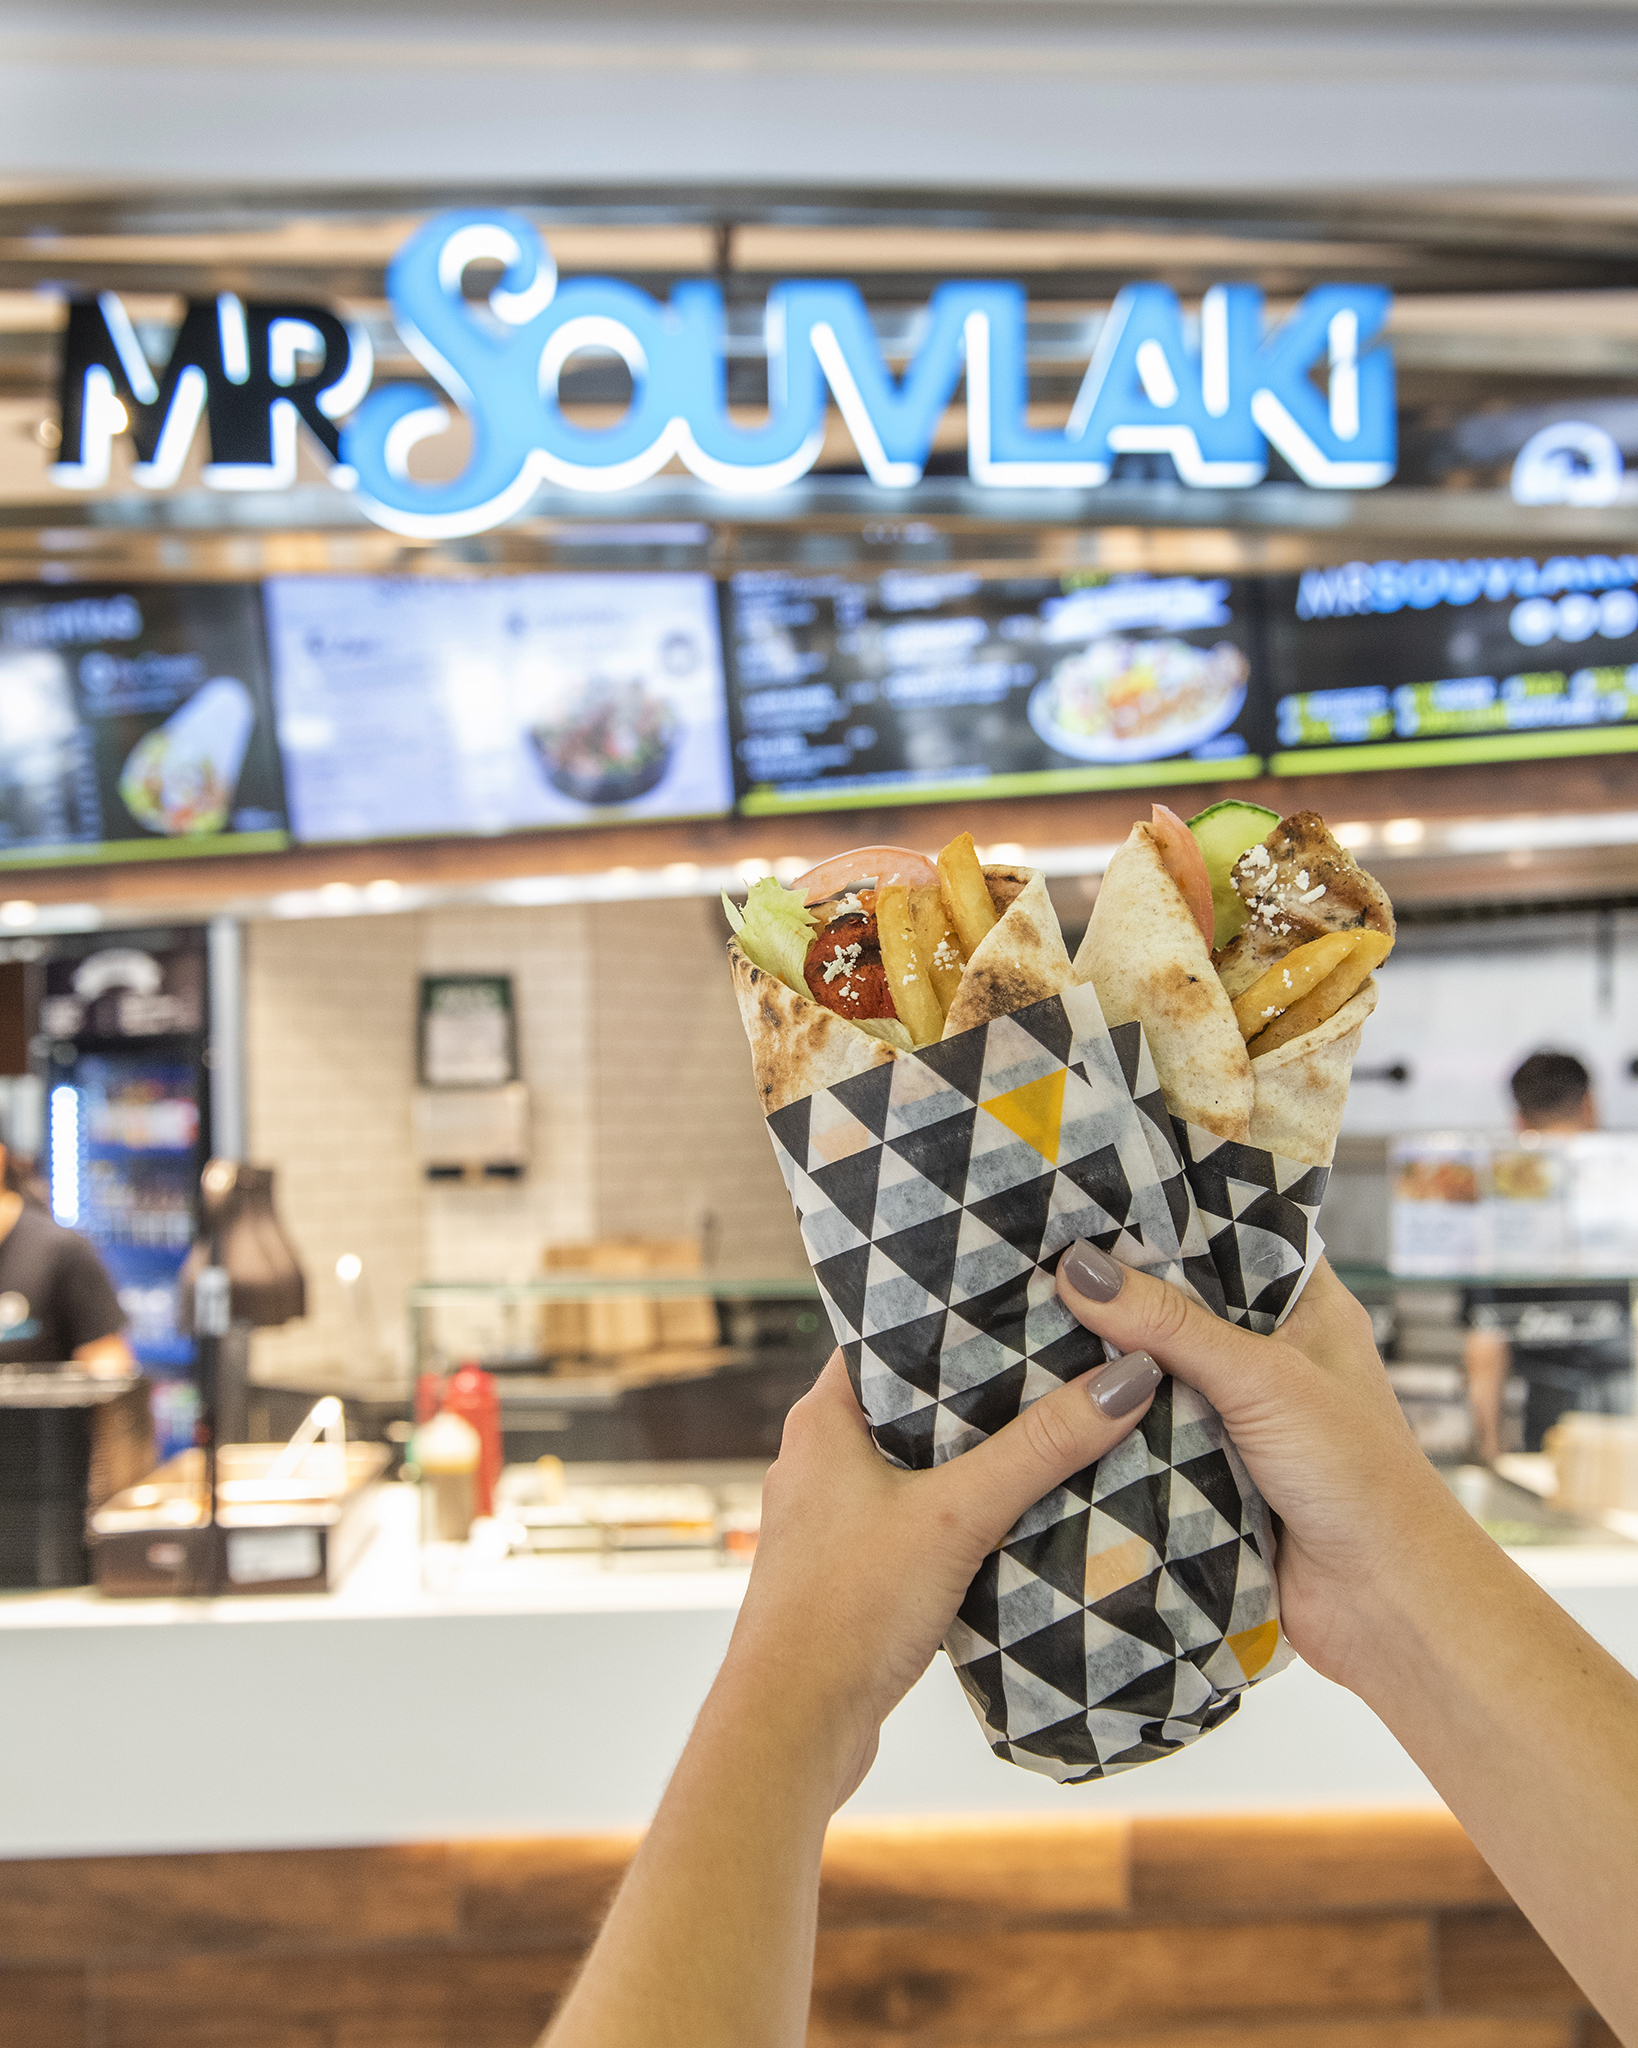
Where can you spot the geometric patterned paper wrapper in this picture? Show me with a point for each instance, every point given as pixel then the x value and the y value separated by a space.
pixel 1126 1613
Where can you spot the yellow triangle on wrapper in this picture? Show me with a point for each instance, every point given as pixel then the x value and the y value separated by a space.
pixel 1034 1112
pixel 1253 1647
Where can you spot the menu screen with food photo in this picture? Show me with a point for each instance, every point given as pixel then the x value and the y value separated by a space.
pixel 1406 664
pixel 135 722
pixel 413 706
pixel 927 685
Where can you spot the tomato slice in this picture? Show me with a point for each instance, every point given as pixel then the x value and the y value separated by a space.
pixel 867 867
pixel 1186 865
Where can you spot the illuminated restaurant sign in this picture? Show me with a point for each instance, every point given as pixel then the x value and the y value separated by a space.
pixel 1215 398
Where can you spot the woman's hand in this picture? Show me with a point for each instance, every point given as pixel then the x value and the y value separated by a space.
pixel 861 1567
pixel 1314 1418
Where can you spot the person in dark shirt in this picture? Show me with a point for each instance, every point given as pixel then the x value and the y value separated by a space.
pixel 1572 1346
pixel 56 1302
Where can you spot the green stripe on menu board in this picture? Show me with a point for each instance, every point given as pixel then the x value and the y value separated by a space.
pixel 1499 746
pixel 1044 782
pixel 106 851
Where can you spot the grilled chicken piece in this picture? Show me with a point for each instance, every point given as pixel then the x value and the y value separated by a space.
pixel 1298 885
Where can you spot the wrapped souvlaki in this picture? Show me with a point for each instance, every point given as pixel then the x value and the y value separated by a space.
pixel 953 1102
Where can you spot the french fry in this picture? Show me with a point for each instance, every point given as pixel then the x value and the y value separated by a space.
pixel 1289 980
pixel 937 944
pixel 909 981
pixel 1369 950
pixel 966 893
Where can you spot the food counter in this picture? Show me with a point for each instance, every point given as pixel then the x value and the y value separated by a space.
pixel 546 1696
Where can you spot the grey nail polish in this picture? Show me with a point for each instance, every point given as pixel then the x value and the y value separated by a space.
pixel 1091 1272
pixel 1124 1383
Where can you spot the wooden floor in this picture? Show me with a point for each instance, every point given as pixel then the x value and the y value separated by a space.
pixel 1311 1931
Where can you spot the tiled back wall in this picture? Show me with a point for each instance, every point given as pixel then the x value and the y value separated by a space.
pixel 645 1117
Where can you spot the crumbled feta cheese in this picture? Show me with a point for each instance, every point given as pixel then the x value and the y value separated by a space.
pixel 1257 857
pixel 946 956
pixel 1311 895
pixel 1302 878
pixel 844 961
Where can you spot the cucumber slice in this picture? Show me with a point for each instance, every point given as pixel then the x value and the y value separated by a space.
pixel 1225 831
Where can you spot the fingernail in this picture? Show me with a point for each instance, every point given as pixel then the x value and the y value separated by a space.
pixel 1124 1384
pixel 1091 1272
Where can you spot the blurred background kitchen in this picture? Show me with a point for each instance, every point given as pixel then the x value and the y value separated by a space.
pixel 368 787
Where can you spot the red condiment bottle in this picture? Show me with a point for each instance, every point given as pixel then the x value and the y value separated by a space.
pixel 470 1393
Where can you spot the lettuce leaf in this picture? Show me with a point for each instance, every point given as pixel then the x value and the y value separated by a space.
pixel 775 930
pixel 888 1029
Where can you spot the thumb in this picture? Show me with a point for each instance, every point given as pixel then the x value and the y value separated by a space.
pixel 993 1484
pixel 1136 1311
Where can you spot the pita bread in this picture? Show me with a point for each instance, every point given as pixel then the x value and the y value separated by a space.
pixel 1301 1086
pixel 797 1045
pixel 1021 959
pixel 1147 959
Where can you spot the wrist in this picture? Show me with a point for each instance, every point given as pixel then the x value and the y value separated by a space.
pixel 1401 1607
pixel 811 1735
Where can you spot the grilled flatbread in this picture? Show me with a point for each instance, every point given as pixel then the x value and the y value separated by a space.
pixel 1021 960
pixel 1144 955
pixel 798 1047
pixel 1303 1085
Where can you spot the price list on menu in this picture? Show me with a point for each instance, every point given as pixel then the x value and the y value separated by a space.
pixel 1390 664
pixel 925 685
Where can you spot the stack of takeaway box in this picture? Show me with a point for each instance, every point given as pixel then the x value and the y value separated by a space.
pixel 639 1336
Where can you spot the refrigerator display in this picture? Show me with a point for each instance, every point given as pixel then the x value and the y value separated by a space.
pixel 135 723
pixel 923 686
pixel 126 1115
pixel 1410 664
pixel 412 706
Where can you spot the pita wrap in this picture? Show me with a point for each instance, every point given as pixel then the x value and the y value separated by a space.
pixel 1145 956
pixel 797 1045
pixel 1021 960
pixel 1302 1085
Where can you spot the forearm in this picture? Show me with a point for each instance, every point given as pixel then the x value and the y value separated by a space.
pixel 1529 1731
pixel 710 1941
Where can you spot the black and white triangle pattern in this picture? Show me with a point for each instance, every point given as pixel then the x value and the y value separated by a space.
pixel 1125 1614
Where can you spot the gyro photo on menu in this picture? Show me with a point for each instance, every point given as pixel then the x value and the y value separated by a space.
pixel 954 1100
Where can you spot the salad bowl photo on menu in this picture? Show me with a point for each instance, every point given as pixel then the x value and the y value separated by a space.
pixel 611 744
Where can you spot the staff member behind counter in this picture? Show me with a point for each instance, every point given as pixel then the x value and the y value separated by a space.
pixel 56 1302
pixel 1572 1346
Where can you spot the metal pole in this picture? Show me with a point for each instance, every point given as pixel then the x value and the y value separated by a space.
pixel 225 952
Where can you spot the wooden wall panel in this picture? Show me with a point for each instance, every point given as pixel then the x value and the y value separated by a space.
pixel 1072 1931
pixel 1304 1862
pixel 73 1906
pixel 554 1891
pixel 1327 2031
pixel 992 1871
pixel 1030 1985
pixel 43 2008
pixel 1498 1959
pixel 456 1998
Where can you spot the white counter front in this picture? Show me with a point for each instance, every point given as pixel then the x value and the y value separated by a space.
pixel 546 1697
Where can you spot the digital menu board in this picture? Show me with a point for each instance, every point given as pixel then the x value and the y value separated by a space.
pixel 409 706
pixel 922 686
pixel 1407 664
pixel 135 722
